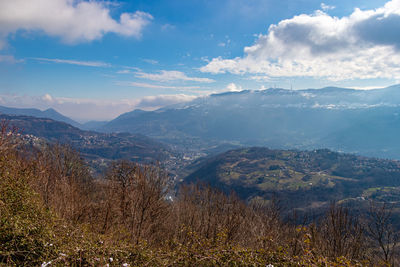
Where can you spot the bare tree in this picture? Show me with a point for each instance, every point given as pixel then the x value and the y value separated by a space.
pixel 265 224
pixel 209 212
pixel 340 234
pixel 381 230
pixel 140 193
pixel 64 181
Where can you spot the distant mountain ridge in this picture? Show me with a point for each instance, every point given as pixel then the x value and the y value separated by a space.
pixel 48 113
pixel 358 121
pixel 97 148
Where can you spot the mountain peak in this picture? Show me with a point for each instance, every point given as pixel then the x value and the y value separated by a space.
pixel 49 113
pixel 52 111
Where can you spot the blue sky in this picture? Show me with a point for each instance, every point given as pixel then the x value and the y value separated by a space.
pixel 98 59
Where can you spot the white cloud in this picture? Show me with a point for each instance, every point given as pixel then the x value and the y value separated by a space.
pixel 150 61
pixel 167 76
pixel 92 109
pixel 128 70
pixel 124 72
pixel 74 62
pixel 232 87
pixel 364 45
pixel 156 86
pixel 71 20
pixel 327 7
pixel 47 98
pixel 155 102
pixel 260 78
pixel 367 87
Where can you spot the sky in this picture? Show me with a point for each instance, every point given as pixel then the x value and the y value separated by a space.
pixel 93 60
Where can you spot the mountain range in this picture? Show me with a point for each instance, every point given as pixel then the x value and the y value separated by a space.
pixel 365 122
pixel 97 148
pixel 48 113
pixel 51 114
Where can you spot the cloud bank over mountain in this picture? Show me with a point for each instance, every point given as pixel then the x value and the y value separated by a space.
pixel 363 45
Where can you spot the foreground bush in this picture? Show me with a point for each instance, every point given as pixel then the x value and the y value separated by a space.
pixel 25 225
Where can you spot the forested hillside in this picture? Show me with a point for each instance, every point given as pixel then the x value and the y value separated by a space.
pixel 304 180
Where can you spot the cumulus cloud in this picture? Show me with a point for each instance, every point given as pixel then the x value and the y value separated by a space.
pixel 74 62
pixel 82 109
pixel 364 45
pixel 48 98
pixel 71 20
pixel 232 87
pixel 167 76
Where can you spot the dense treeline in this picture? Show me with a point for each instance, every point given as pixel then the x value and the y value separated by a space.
pixel 53 213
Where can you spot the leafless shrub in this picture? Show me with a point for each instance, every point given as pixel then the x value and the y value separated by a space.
pixel 136 200
pixel 64 181
pixel 382 232
pixel 265 224
pixel 208 212
pixel 339 234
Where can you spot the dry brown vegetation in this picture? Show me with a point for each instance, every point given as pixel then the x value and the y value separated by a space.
pixel 52 212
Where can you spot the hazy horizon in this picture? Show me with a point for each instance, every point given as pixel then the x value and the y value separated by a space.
pixel 138 107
